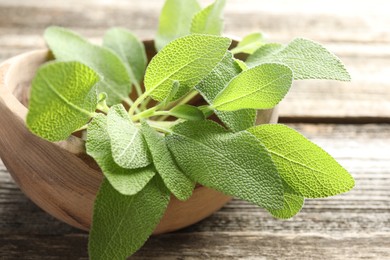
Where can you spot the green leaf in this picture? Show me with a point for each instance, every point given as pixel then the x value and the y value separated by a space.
pixel 63 99
pixel 131 51
pixel 242 64
pixel 98 145
pixel 209 20
pixel 69 46
pixel 305 167
pixel 293 203
pixel 121 224
pixel 250 43
pixel 307 59
pixel 175 180
pixel 172 93
pixel 175 20
pixel 128 146
pixel 234 163
pixel 186 60
pixel 216 81
pixel 261 87
pixel 187 112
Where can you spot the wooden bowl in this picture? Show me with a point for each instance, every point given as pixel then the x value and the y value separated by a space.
pixel 59 177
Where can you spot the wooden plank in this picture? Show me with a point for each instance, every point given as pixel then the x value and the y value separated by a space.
pixel 355 225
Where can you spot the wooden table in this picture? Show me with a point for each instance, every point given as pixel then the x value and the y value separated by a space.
pixel 349 120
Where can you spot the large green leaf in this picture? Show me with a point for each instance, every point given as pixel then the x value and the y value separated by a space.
pixel 216 81
pixel 209 20
pixel 121 224
pixel 234 163
pixel 293 203
pixel 186 60
pixel 128 146
pixel 175 20
pixel 69 46
pixel 63 99
pixel 305 167
pixel 307 59
pixel 250 43
pixel 261 87
pixel 125 181
pixel 131 50
pixel 175 180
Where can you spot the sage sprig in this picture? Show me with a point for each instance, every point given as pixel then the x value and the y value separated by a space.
pixel 150 150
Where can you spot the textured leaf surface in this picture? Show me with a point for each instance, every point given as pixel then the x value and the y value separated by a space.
pixel 63 99
pixel 68 46
pixel 209 20
pixel 233 163
pixel 307 59
pixel 216 81
pixel 186 60
pixel 250 43
pixel 293 203
pixel 187 112
pixel 305 167
pixel 125 181
pixel 131 51
pixel 121 224
pixel 261 87
pixel 175 20
pixel 175 180
pixel 128 146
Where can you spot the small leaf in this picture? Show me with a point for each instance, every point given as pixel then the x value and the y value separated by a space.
pixel 121 224
pixel 304 166
pixel 261 87
pixel 307 59
pixel 293 203
pixel 63 99
pixel 125 181
pixel 175 20
pixel 250 43
pixel 186 60
pixel 241 64
pixel 131 51
pixel 128 146
pixel 175 180
pixel 209 20
pixel 69 46
pixel 187 112
pixel 216 81
pixel 233 163
pixel 172 93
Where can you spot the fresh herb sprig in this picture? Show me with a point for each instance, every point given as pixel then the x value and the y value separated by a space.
pixel 145 158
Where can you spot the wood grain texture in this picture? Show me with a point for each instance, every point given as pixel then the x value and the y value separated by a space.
pixel 359 33
pixel 355 225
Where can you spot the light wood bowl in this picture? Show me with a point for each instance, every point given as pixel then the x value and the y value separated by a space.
pixel 59 177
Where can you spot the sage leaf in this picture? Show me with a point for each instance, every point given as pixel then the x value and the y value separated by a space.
pixel 307 59
pixel 175 180
pixel 69 46
pixel 187 112
pixel 304 166
pixel 175 21
pixel 186 60
pixel 249 44
pixel 293 203
pixel 261 87
pixel 209 20
pixel 121 224
pixel 128 146
pixel 131 51
pixel 98 146
pixel 63 99
pixel 214 83
pixel 233 163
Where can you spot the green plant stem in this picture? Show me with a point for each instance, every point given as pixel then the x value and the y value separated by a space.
pixel 182 101
pixel 137 102
pixel 144 104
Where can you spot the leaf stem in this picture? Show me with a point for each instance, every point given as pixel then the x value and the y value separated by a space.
pixel 144 104
pixel 182 101
pixel 137 102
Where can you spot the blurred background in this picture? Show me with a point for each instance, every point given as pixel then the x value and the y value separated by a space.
pixel 350 120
